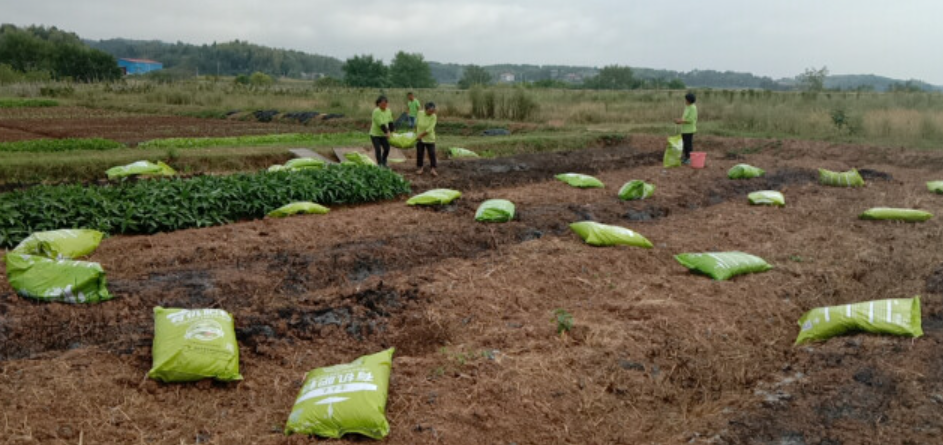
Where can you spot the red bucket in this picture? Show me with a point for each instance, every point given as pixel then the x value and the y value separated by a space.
pixel 698 159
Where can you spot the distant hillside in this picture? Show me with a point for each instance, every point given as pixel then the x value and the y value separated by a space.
pixel 228 59
pixel 237 57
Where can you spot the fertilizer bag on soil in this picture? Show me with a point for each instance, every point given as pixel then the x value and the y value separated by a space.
pixel 359 158
pixel 68 281
pixel 886 213
pixel 636 189
pixel 403 140
pixel 767 197
pixel 745 171
pixel 344 399
pixel 304 164
pixel 306 208
pixel 58 244
pixel 850 178
pixel 495 210
pixel 191 345
pixel 935 187
pixel 581 181
pixel 674 152
pixel 900 316
pixel 435 197
pixel 140 168
pixel 596 234
pixel 723 265
pixel 457 152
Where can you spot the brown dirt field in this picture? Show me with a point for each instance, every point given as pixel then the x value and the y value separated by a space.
pixel 77 122
pixel 657 355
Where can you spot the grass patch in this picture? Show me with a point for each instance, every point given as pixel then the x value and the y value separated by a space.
pixel 27 103
pixel 60 145
pixel 257 141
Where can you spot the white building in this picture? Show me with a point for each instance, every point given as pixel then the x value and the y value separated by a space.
pixel 506 77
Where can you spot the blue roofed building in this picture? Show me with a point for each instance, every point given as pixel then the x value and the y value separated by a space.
pixel 138 66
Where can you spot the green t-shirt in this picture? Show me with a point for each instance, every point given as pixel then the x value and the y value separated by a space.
pixel 689 116
pixel 426 123
pixel 380 118
pixel 414 107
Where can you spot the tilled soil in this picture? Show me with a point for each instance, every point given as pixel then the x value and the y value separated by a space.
pixel 656 355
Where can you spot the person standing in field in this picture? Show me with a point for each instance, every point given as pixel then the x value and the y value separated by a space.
pixel 380 130
pixel 413 105
pixel 688 123
pixel 425 126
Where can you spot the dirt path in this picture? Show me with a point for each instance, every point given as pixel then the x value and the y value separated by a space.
pixel 657 355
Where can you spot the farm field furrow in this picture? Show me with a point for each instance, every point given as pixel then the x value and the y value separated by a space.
pixel 656 354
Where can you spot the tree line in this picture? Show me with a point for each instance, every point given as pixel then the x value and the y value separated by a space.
pixel 40 53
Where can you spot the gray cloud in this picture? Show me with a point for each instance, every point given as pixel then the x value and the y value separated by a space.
pixel 779 39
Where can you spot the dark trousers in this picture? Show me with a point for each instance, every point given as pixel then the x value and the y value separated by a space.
pixel 421 147
pixel 688 140
pixel 381 148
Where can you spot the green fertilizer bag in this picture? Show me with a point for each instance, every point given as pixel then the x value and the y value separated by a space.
pixel 435 197
pixel 305 164
pixel 935 187
pixel 456 152
pixel 600 235
pixel 59 244
pixel 724 265
pixel 495 210
pixel 344 399
pixel 47 279
pixel 767 197
pixel 403 140
pixel 744 171
pixel 581 181
pixel 899 316
pixel 359 158
pixel 305 208
pixel 636 189
pixel 850 178
pixel 140 168
pixel 191 345
pixel 674 152
pixel 886 213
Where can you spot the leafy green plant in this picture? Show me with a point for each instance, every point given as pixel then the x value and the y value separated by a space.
pixel 563 320
pixel 253 141
pixel 56 145
pixel 174 204
pixel 27 103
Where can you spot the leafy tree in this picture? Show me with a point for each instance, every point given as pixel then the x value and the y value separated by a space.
pixel 904 87
pixel 550 83
pixel 813 79
pixel 676 84
pixel 613 77
pixel 365 71
pixel 474 75
pixel 410 71
pixel 261 79
pixel 59 53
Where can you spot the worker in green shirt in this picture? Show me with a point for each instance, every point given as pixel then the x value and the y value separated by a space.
pixel 425 127
pixel 380 130
pixel 413 105
pixel 688 123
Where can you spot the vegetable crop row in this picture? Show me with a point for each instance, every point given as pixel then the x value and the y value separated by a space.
pixel 173 204
pixel 55 145
pixel 27 103
pixel 259 140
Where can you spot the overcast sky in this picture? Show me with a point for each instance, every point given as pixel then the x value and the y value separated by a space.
pixel 898 39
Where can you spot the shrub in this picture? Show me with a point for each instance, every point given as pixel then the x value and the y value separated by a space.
pixel 174 204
